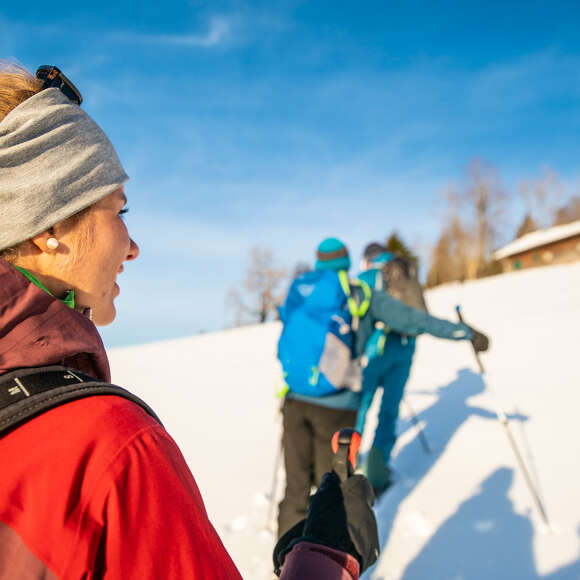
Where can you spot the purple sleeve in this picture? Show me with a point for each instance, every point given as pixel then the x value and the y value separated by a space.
pixel 308 561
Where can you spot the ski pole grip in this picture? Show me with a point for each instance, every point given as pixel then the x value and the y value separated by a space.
pixel 477 359
pixel 345 445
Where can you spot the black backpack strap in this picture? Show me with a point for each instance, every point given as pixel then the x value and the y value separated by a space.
pixel 26 393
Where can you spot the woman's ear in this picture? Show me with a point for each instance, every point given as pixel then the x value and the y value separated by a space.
pixel 46 241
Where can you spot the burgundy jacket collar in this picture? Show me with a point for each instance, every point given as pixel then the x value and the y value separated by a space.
pixel 37 329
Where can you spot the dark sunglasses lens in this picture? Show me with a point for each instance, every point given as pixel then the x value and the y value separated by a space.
pixel 71 93
pixel 53 78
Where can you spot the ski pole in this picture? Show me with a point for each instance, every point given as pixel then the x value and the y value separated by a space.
pixel 275 477
pixel 504 421
pixel 420 432
pixel 530 458
pixel 274 486
pixel 345 445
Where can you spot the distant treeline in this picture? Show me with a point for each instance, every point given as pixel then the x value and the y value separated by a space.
pixel 472 226
pixel 474 221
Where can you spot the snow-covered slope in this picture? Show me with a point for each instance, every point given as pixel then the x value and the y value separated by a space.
pixel 462 511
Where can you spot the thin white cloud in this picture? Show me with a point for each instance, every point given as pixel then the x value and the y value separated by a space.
pixel 218 32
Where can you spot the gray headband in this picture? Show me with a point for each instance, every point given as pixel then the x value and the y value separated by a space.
pixel 54 162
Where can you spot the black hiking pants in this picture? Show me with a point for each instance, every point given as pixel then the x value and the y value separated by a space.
pixel 308 430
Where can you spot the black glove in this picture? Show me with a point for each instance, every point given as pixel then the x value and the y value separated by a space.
pixel 340 516
pixel 362 526
pixel 479 340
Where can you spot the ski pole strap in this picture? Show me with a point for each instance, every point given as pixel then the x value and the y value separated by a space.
pixel 26 393
pixel 356 310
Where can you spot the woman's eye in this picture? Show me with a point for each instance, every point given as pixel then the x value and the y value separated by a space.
pixel 124 211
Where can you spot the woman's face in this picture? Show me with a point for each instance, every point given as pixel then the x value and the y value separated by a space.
pixel 97 247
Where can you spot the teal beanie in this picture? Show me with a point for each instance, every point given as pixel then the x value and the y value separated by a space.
pixel 332 255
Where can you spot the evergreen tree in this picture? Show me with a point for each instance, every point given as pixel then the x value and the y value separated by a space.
pixel 396 245
pixel 528 225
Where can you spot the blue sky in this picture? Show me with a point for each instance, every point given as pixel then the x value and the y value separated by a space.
pixel 281 123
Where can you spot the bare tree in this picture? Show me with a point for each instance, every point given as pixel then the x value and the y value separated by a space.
pixel 442 266
pixel 441 269
pixel 471 226
pixel 258 297
pixel 569 212
pixel 301 268
pixel 542 196
pixel 485 199
pixel 452 256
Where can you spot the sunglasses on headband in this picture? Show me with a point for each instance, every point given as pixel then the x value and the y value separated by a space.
pixel 52 77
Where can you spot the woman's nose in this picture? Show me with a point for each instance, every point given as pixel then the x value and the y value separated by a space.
pixel 133 250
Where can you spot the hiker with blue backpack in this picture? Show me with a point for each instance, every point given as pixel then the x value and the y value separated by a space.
pixel 327 322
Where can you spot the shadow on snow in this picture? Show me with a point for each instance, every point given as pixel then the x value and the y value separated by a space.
pixel 485 537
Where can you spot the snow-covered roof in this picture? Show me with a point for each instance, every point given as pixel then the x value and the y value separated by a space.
pixel 537 239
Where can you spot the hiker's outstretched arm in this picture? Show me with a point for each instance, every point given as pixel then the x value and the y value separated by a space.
pixel 407 320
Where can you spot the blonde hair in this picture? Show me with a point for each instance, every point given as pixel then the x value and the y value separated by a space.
pixel 16 85
pixel 84 220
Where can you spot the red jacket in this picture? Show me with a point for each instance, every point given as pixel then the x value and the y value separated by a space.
pixel 95 488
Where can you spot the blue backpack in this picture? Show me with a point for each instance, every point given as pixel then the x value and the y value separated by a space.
pixel 315 347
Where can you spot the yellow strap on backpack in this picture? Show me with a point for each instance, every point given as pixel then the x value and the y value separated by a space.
pixel 356 310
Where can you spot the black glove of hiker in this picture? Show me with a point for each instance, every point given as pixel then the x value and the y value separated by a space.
pixel 340 516
pixel 479 340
